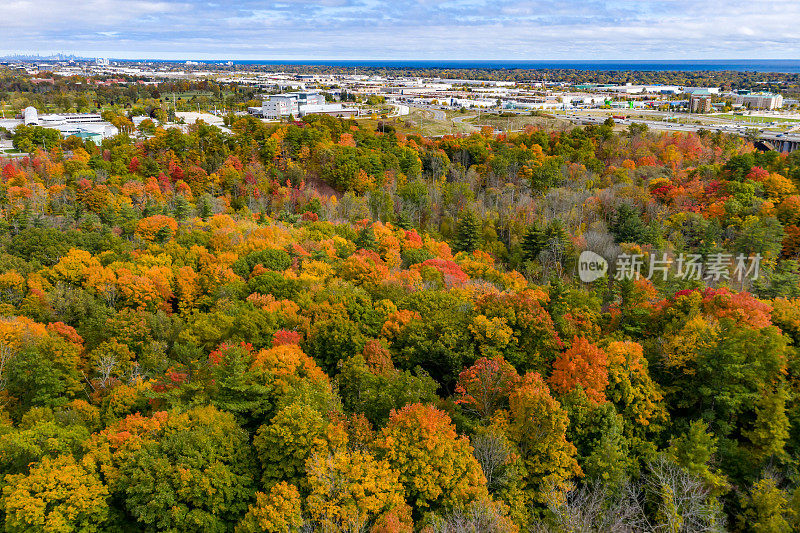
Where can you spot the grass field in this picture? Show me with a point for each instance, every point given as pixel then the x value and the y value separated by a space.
pixel 516 122
pixel 398 123
pixel 188 94
pixel 758 120
pixel 422 122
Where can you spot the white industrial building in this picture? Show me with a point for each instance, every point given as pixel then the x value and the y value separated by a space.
pixel 280 106
pixel 708 90
pixel 336 110
pixel 283 105
pixel 759 100
pixel 656 89
pixel 83 125
pixel 31 117
pixel 299 104
pixel 639 89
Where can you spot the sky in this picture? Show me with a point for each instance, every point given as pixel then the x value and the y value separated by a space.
pixel 404 30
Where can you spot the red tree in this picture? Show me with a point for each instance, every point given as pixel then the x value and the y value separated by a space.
pixel 582 364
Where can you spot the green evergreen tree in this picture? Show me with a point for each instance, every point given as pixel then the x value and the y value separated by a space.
pixel 627 226
pixel 557 249
pixel 403 220
pixel 181 209
pixel 694 451
pixel 163 234
pixel 366 239
pixel 22 219
pixel 467 233
pixel 534 241
pixel 204 208
pixel 557 238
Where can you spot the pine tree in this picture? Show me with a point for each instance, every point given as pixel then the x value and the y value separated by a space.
pixel 628 226
pixel 467 233
pixel 557 238
pixel 694 451
pixel 22 219
pixel 366 239
pixel 558 246
pixel 163 234
pixel 403 220
pixel 534 241
pixel 204 207
pixel 181 208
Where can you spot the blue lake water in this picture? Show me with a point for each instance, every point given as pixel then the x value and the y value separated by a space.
pixel 740 65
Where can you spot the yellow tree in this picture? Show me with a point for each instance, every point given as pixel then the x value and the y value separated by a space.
pixel 351 490
pixel 58 496
pixel 538 425
pixel 296 433
pixel 631 389
pixel 435 465
pixel 278 511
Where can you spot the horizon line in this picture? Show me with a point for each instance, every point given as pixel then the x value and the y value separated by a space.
pixel 394 60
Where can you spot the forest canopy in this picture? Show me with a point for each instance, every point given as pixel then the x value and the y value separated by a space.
pixel 317 326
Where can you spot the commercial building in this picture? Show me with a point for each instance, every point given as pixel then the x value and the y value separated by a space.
pixel 31 117
pixel 629 88
pixel 95 132
pixel 305 98
pixel 83 125
pixel 760 100
pixel 283 105
pixel 417 88
pixel 655 89
pixel 699 102
pixel 279 106
pixel 336 110
pixel 706 90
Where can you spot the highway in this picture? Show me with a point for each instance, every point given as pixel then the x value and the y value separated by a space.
pixel 438 114
pixel 732 129
pixel 399 110
pixel 462 118
pixel 776 138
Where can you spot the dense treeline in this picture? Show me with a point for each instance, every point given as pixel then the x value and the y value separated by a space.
pixel 85 94
pixel 787 83
pixel 320 327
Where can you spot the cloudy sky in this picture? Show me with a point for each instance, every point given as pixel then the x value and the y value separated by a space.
pixel 402 29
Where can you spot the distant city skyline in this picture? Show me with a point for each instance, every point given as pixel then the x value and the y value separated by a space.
pixel 394 30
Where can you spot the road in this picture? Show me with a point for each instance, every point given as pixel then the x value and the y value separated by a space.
pixel 712 123
pixel 463 118
pixel 669 126
pixel 438 114
pixel 399 110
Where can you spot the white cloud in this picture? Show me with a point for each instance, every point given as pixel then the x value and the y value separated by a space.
pixel 404 29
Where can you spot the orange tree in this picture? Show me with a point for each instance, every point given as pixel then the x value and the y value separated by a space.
pixel 435 465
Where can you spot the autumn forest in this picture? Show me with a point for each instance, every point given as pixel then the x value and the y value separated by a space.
pixel 317 326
